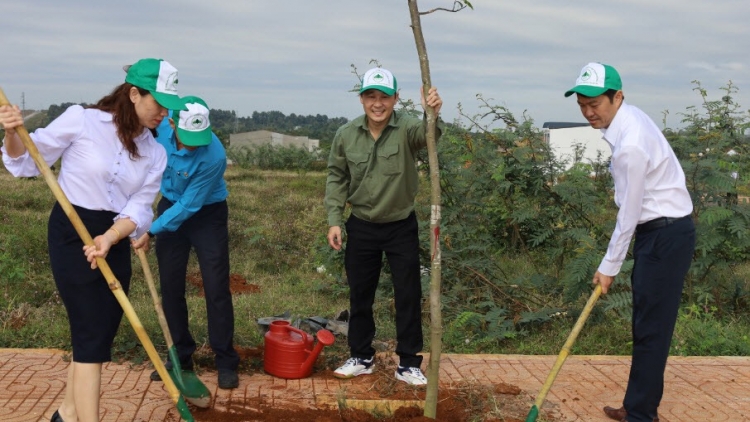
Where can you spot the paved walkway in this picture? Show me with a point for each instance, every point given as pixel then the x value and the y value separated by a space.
pixel 713 389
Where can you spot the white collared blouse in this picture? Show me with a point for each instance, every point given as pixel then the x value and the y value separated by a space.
pixel 97 172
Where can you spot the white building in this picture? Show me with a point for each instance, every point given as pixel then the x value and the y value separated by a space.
pixel 265 137
pixel 562 137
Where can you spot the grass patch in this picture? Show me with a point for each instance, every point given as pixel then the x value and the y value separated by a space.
pixel 277 228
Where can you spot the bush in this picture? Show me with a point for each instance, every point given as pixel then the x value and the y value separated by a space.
pixel 271 157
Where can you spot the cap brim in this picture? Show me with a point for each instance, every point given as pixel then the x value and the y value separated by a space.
pixel 168 101
pixel 384 90
pixel 194 139
pixel 586 90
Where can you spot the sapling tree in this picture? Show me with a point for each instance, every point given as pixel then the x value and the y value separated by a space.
pixel 436 326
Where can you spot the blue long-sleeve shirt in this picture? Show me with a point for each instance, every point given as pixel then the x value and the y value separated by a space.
pixel 191 180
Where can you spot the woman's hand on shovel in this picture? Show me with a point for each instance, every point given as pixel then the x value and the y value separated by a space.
pixel 99 249
pixel 10 117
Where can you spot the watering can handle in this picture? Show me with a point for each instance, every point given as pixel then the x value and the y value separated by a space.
pixel 298 331
pixel 325 337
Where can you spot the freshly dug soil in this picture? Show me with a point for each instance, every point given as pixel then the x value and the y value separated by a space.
pixel 456 403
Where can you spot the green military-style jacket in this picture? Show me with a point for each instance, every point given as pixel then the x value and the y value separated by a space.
pixel 378 178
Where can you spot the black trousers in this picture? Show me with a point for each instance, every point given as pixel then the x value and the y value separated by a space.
pixel 662 259
pixel 208 234
pixel 365 245
pixel 94 314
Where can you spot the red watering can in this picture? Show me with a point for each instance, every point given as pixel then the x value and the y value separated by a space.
pixel 289 353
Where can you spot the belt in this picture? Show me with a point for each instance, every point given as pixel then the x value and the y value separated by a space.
pixel 658 223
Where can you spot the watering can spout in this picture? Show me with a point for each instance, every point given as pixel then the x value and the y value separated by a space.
pixel 325 338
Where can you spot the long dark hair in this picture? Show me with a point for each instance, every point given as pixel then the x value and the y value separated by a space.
pixel 123 114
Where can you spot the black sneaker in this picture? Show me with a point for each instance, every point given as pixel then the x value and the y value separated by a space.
pixel 168 365
pixel 228 379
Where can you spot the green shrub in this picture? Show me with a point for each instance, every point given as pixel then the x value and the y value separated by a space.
pixel 699 332
pixel 272 157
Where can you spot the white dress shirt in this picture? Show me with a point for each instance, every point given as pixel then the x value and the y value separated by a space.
pixel 97 172
pixel 649 181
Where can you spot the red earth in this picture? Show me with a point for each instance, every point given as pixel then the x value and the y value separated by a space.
pixel 456 403
pixel 237 284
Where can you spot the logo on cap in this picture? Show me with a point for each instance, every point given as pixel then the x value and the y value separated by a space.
pixel 198 122
pixel 380 79
pixel 167 79
pixel 589 76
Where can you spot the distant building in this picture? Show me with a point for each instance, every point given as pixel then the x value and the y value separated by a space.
pixel 265 137
pixel 563 136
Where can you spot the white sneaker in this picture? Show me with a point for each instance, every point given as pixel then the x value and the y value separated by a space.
pixel 354 367
pixel 410 375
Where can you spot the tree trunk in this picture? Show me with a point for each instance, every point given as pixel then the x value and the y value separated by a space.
pixel 436 324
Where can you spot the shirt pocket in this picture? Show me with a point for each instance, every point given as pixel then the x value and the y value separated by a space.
pixel 389 160
pixel 357 162
pixel 180 180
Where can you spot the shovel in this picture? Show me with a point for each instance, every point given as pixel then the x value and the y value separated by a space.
pixel 114 285
pixel 191 387
pixel 534 412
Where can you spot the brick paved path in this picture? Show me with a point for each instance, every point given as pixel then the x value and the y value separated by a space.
pixel 32 383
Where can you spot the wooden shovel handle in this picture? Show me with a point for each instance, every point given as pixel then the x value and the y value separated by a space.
pixel 155 296
pixel 568 344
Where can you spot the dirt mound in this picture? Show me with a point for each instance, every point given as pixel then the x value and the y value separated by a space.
pixel 237 284
pixel 454 405
pixel 376 398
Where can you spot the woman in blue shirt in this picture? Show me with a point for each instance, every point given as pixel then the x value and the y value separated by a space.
pixel 193 214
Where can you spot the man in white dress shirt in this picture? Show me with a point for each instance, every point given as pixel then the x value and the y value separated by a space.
pixel 654 204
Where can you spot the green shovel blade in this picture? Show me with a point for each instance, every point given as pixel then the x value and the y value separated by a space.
pixel 185 414
pixel 190 386
pixel 533 414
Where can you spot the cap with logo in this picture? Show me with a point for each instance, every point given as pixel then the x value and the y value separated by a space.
pixel 193 125
pixel 595 79
pixel 159 78
pixel 380 79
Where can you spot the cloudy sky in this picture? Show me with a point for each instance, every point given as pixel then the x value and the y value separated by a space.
pixel 295 56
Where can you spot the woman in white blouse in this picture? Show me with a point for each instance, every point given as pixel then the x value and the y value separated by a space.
pixel 110 171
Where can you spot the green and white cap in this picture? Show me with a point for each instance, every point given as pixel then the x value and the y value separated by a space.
pixel 380 79
pixel 159 78
pixel 596 79
pixel 193 125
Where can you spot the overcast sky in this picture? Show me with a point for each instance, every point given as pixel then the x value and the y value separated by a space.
pixel 295 56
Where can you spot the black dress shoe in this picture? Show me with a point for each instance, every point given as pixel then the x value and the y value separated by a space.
pixel 56 417
pixel 228 379
pixel 155 375
pixel 619 414
pixel 168 365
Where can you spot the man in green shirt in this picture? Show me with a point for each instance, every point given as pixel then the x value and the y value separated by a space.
pixel 372 166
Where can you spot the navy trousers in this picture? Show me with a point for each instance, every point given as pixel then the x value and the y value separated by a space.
pixel 208 234
pixel 94 314
pixel 661 260
pixel 365 245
